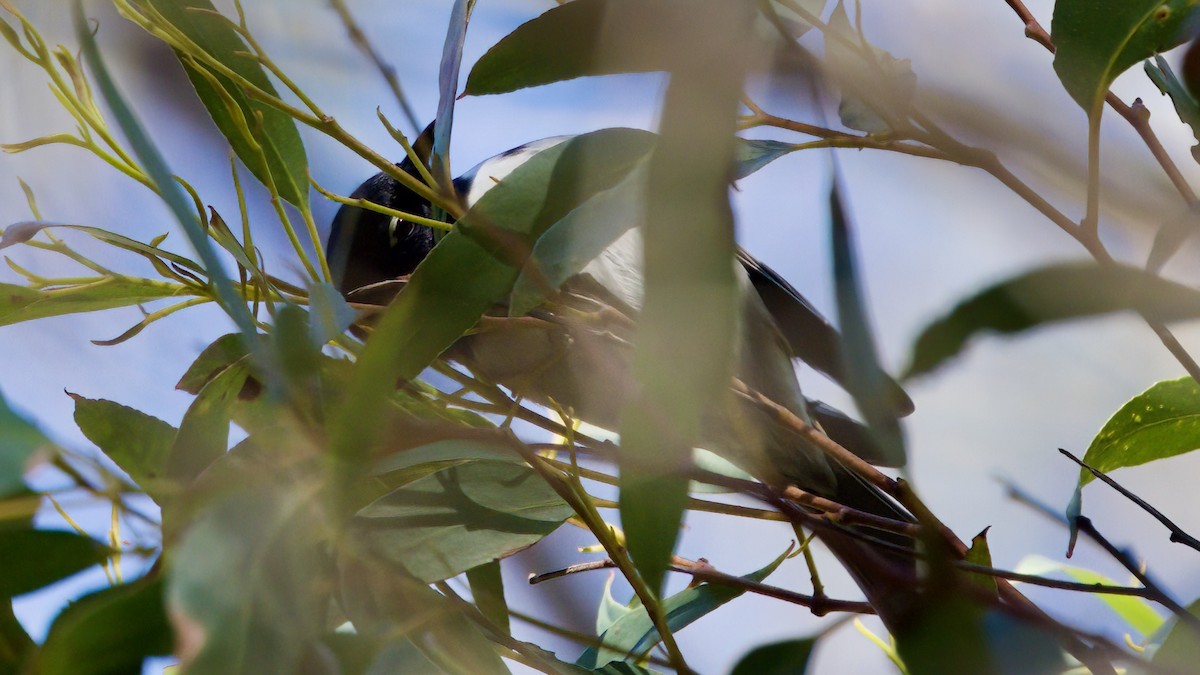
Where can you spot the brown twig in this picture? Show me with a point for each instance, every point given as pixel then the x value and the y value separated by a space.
pixel 1178 535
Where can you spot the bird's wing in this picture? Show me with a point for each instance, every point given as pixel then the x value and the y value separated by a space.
pixel 811 337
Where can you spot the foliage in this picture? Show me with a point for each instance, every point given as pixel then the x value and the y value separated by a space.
pixel 376 467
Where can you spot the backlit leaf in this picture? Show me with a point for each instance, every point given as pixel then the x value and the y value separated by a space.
pixel 1048 295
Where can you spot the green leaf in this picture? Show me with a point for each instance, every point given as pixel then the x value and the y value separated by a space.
pixel 789 657
pixel 1097 40
pixel 461 517
pixel 138 443
pixel 865 378
pixel 329 314
pixel 487 588
pixel 686 328
pixel 610 610
pixel 23 232
pixel 15 643
pixel 633 634
pixel 1163 421
pixel 164 183
pixel 19 303
pixel 382 602
pixel 448 70
pixel 1047 295
pixel 980 554
pixel 204 432
pixel 753 154
pixel 575 39
pixel 282 162
pixel 19 441
pixel 1137 613
pixel 1180 649
pixel 110 631
pixel 436 307
pixel 214 359
pixel 248 590
pixel 571 243
pixel 36 558
pixel 1160 73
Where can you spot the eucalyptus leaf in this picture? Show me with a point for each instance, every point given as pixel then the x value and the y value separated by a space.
pixel 20 440
pixel 789 657
pixel 686 329
pixel 1137 613
pixel 459 518
pixel 20 303
pixel 109 631
pixel 633 634
pixel 138 443
pixel 213 359
pixel 574 39
pixel 1097 40
pixel 271 150
pixel 487 589
pixel 36 558
pixel 204 432
pixel 160 175
pixel 980 554
pixel 451 64
pixel 1048 295
pixel 866 380
pixel 19 233
pixel 1163 421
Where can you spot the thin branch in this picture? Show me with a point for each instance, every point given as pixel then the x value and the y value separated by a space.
pixel 1178 535
pixel 387 70
pixel 1127 561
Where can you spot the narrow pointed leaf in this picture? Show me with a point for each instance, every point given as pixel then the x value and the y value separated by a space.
pixel 20 303
pixel 575 39
pixel 1048 295
pixel 1136 612
pixel 448 71
pixel 161 176
pixel 686 329
pixel 487 588
pixel 281 162
pixel 865 378
pixel 633 633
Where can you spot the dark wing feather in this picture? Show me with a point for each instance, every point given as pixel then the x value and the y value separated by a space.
pixel 811 337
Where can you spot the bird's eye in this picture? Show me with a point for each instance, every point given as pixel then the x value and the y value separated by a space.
pixel 393 227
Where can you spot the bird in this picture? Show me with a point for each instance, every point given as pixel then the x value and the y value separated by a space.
pixel 586 366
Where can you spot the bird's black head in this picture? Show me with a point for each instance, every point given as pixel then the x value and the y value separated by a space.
pixel 367 247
